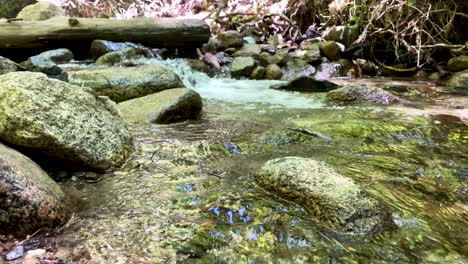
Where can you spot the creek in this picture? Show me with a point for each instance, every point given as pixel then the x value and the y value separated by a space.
pixel 188 196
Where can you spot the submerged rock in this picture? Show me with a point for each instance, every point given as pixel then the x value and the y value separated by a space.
pixel 334 200
pixel 7 66
pixel 168 106
pixel 121 84
pixel 361 94
pixel 120 56
pixel 42 10
pixel 29 198
pixel 242 66
pixel 65 124
pixel 307 84
pixel 459 80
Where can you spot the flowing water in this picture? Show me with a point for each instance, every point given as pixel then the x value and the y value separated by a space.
pixel 188 195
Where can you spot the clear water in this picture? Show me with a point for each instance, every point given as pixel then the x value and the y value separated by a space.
pixel 188 195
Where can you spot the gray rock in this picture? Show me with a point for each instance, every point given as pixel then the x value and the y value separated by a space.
pixel 342 34
pixel 456 64
pixel 312 55
pixel 273 72
pixel 310 44
pixel 60 122
pixel 258 73
pixel 330 49
pixel 242 66
pixel 352 94
pixel 42 10
pixel 307 84
pixel 120 84
pixel 46 62
pixel 169 106
pixel 10 9
pixel 100 47
pixel 248 50
pixel 230 39
pixel 459 80
pixel 249 40
pixel 29 198
pixel 7 66
pixel 340 68
pixel 211 47
pixel 297 68
pixel 333 200
pixel 120 56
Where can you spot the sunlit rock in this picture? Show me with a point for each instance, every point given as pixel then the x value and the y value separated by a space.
pixel 46 62
pixel 42 10
pixel 242 66
pixel 125 83
pixel 273 72
pixel 173 105
pixel 352 94
pixel 332 199
pixel 64 124
pixel 29 198
pixel 230 39
pixel 7 66
pixel 248 50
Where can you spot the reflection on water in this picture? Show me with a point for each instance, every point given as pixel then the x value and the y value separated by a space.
pixel 188 195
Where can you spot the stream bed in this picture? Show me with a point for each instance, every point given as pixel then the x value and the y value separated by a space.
pixel 188 196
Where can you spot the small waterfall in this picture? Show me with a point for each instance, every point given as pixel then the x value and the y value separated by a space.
pixel 249 93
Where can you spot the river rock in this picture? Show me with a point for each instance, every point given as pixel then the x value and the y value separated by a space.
pixel 249 40
pixel 29 198
pixel 230 39
pixel 353 94
pixel 307 84
pixel 125 83
pixel 46 62
pixel 330 49
pixel 367 68
pixel 332 199
pixel 266 59
pixel 248 50
pixel 67 125
pixel 9 8
pixel 342 34
pixel 42 10
pixel 459 80
pixel 120 56
pixel 297 68
pixel 242 66
pixel 459 63
pixel 310 44
pixel 7 66
pixel 258 73
pixel 340 68
pixel 273 72
pixel 100 47
pixel 169 106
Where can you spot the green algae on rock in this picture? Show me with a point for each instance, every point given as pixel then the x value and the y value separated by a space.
pixel 29 198
pixel 169 106
pixel 334 200
pixel 125 83
pixel 53 119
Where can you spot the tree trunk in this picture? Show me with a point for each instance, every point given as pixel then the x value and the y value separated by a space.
pixel 63 32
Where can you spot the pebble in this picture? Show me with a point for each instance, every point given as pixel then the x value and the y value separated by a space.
pixel 15 253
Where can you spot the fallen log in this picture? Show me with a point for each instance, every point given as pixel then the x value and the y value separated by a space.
pixel 77 33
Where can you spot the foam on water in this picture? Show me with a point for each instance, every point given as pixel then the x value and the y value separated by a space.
pixel 246 92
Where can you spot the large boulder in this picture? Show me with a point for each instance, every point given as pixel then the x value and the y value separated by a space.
pixel 456 64
pixel 307 84
pixel 9 8
pixel 125 83
pixel 343 34
pixel 7 66
pixel 353 94
pixel 459 80
pixel 42 10
pixel 230 39
pixel 168 106
pixel 120 56
pixel 29 198
pixel 242 66
pixel 63 123
pixel 333 200
pixel 100 47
